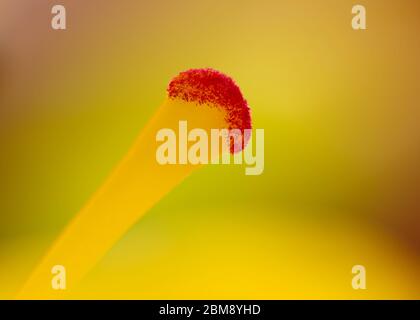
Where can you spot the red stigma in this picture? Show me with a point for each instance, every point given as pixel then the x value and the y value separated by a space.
pixel 208 86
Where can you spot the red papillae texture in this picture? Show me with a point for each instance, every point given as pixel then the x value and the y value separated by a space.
pixel 211 87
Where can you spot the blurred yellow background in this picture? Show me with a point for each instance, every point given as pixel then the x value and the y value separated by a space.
pixel 340 110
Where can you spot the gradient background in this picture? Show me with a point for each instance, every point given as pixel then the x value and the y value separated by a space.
pixel 340 109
